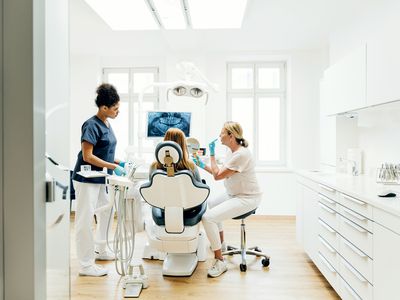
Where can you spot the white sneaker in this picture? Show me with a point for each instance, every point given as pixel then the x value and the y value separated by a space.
pixel 218 268
pixel 105 255
pixel 94 271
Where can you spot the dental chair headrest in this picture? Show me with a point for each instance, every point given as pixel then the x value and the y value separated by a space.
pixel 168 154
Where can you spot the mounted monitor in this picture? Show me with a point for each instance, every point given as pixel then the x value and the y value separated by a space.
pixel 158 122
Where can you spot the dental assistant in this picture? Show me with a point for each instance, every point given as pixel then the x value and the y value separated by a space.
pixel 98 144
pixel 242 190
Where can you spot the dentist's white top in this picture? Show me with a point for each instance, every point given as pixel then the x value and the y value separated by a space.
pixel 244 182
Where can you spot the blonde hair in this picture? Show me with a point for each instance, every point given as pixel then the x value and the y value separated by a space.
pixel 236 129
pixel 176 135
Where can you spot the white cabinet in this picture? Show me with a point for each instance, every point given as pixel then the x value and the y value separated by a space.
pixel 383 61
pixel 344 86
pixel 386 257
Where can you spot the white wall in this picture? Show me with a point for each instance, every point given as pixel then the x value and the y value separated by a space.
pixel 377 129
pixel 304 72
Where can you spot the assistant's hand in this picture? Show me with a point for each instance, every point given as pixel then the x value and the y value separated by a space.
pixel 198 162
pixel 212 147
pixel 119 171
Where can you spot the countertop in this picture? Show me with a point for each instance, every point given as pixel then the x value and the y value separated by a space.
pixel 362 187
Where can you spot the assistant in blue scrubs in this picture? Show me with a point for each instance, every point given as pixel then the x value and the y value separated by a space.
pixel 98 144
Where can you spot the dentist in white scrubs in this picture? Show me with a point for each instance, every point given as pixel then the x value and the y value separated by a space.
pixel 242 190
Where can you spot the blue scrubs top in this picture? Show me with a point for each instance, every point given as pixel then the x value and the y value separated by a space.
pixel 95 132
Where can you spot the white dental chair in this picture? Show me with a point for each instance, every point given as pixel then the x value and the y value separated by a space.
pixel 178 202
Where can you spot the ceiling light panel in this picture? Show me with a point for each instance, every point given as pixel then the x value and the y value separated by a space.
pixel 124 14
pixel 216 14
pixel 170 13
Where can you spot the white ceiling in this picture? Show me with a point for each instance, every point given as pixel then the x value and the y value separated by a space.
pixel 268 25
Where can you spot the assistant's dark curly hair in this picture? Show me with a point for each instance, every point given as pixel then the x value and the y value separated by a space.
pixel 106 95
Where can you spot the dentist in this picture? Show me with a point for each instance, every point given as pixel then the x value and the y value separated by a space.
pixel 98 144
pixel 242 190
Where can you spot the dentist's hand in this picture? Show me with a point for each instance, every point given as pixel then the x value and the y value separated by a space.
pixel 212 147
pixel 122 164
pixel 198 162
pixel 119 171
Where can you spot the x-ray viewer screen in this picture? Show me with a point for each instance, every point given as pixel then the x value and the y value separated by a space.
pixel 159 122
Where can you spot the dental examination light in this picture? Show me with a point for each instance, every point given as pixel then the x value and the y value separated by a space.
pixel 187 87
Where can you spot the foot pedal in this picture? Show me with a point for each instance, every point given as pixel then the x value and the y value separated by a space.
pixel 133 290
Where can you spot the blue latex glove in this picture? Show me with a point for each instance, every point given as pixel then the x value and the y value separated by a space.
pixel 212 147
pixel 199 163
pixel 122 164
pixel 119 171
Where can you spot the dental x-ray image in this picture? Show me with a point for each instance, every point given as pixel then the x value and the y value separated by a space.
pixel 159 122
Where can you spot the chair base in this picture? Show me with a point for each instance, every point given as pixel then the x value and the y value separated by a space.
pixel 255 251
pixel 179 264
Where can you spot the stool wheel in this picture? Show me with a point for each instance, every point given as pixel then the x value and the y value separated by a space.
pixel 265 262
pixel 243 268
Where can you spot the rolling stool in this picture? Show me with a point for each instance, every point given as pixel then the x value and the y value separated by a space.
pixel 242 250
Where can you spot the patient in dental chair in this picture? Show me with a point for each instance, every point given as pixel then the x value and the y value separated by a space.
pixel 176 135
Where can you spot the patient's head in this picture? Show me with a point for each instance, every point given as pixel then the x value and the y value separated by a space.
pixel 176 135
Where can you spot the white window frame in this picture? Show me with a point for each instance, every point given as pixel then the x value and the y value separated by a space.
pixel 132 97
pixel 257 93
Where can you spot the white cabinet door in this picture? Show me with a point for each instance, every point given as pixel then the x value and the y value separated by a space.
pixel 386 251
pixel 346 82
pixel 383 60
pixel 310 222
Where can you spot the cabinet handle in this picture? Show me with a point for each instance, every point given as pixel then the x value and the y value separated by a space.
pixel 326 226
pixel 323 259
pixel 356 227
pixel 355 273
pixel 356 215
pixel 326 188
pixel 326 245
pixel 353 200
pixel 350 290
pixel 354 249
pixel 326 199
pixel 331 211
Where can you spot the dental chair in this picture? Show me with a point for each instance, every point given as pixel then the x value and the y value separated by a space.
pixel 178 202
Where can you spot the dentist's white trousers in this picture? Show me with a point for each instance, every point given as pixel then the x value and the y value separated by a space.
pixel 90 196
pixel 222 208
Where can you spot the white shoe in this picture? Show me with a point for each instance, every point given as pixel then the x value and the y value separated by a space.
pixel 94 271
pixel 105 255
pixel 218 268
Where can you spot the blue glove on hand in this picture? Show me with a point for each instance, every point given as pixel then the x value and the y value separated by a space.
pixel 122 164
pixel 199 163
pixel 212 147
pixel 119 171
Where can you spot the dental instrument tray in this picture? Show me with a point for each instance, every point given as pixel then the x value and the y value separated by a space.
pixel 388 173
pixel 92 174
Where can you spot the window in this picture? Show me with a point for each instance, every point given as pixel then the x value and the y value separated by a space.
pixel 129 82
pixel 257 100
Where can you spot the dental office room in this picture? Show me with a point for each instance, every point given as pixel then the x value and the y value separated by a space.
pixel 187 149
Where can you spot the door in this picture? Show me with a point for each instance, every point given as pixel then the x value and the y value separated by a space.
pixel 57 148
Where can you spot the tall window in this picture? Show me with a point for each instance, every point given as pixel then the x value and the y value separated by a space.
pixel 257 100
pixel 129 82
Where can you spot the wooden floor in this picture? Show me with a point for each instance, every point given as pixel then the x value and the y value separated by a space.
pixel 291 274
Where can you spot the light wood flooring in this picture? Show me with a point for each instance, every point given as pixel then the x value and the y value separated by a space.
pixel 291 274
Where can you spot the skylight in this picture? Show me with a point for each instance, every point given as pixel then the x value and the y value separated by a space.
pixel 170 14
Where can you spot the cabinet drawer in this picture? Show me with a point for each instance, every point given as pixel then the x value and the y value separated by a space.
pixel 327 191
pixel 356 205
pixel 328 201
pixel 330 253
pixel 358 259
pixel 356 218
pixel 356 281
pixel 328 271
pixel 328 233
pixel 358 236
pixel 346 292
pixel 328 215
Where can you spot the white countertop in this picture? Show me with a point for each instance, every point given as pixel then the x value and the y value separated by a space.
pixel 361 187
